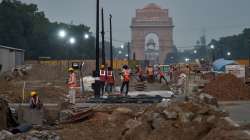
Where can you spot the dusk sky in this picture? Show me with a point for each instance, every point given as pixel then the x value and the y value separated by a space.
pixel 217 17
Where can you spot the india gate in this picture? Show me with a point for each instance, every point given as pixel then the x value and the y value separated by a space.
pixel 152 34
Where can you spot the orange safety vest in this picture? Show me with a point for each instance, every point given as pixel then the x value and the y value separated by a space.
pixel 72 80
pixel 102 75
pixel 110 77
pixel 126 75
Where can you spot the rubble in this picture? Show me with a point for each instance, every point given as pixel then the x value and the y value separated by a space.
pixel 227 88
pixel 174 120
pixel 5 135
pixel 6 118
pixel 170 115
pixel 32 135
pixel 69 116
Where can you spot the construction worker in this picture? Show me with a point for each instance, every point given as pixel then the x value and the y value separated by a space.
pixel 72 84
pixel 126 79
pixel 103 78
pixel 150 73
pixel 35 102
pixel 110 80
pixel 162 75
pixel 139 73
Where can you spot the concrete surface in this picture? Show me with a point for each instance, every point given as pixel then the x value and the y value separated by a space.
pixel 239 110
pixel 166 94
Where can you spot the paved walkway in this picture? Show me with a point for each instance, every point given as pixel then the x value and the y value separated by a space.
pixel 239 111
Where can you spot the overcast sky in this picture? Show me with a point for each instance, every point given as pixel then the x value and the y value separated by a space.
pixel 218 17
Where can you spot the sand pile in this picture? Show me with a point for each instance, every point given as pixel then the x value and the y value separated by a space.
pixel 227 88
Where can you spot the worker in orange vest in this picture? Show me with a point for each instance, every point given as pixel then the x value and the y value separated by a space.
pixel 35 102
pixel 150 73
pixel 72 84
pixel 110 80
pixel 126 79
pixel 103 78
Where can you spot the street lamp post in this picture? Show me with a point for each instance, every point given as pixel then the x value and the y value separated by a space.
pixel 63 34
pixel 195 52
pixel 212 47
pixel 71 41
pixel 229 54
pixel 86 36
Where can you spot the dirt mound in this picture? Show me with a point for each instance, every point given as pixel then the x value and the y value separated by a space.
pixel 11 91
pixel 227 88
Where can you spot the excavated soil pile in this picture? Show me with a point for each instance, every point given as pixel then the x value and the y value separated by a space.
pixel 164 121
pixel 227 88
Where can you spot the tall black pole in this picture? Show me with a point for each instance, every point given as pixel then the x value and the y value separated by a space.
pixel 97 38
pixel 111 43
pixel 103 40
pixel 248 43
pixel 128 51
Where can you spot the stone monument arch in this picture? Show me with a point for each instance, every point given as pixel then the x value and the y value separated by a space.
pixel 152 34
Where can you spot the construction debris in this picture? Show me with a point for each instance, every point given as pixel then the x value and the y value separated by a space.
pixel 228 87
pixel 140 86
pixel 32 135
pixel 70 116
pixel 169 120
pixel 6 119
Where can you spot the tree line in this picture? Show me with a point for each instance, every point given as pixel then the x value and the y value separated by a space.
pixel 24 26
pixel 237 45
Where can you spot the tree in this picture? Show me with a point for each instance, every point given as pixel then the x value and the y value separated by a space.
pixel 23 26
pixel 238 45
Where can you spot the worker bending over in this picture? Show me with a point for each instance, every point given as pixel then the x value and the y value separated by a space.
pixel 72 84
pixel 35 102
pixel 125 79
pixel 150 74
pixel 110 80
pixel 139 73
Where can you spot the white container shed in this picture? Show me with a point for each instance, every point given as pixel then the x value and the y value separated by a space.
pixel 10 58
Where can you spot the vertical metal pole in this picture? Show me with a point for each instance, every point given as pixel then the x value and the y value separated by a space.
pixel 111 43
pixel 97 38
pixel 128 51
pixel 23 93
pixel 248 43
pixel 103 41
